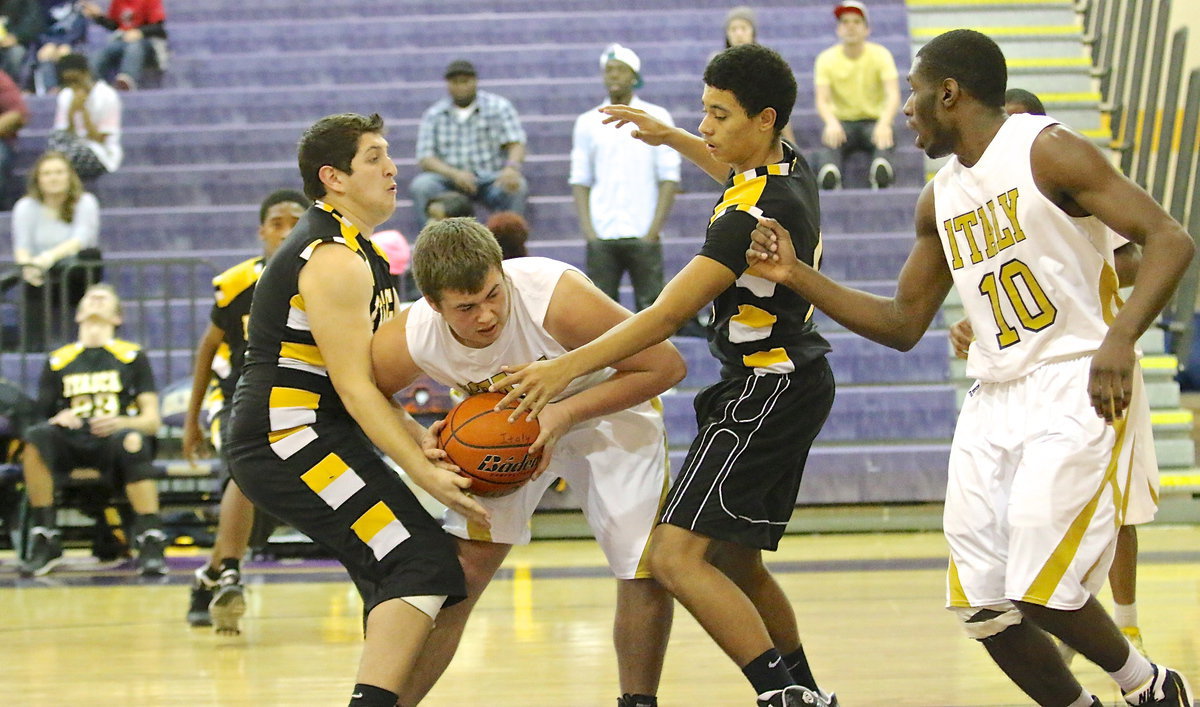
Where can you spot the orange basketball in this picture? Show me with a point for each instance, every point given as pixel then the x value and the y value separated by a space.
pixel 488 448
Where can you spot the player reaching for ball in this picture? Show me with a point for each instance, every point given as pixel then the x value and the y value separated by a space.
pixel 605 435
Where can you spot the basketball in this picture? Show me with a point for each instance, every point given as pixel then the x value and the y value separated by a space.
pixel 488 448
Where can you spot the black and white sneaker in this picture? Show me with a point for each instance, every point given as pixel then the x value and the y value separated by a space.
pixel 45 552
pixel 202 596
pixel 1166 688
pixel 794 696
pixel 881 174
pixel 151 561
pixel 829 177
pixel 228 603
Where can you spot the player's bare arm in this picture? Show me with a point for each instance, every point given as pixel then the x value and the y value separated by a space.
pixel 337 295
pixel 206 351
pixel 639 377
pixel 898 321
pixel 652 131
pixel 1073 173
pixel 536 384
pixel 147 421
pixel 394 371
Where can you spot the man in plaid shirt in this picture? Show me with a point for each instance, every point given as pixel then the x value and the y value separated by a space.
pixel 471 142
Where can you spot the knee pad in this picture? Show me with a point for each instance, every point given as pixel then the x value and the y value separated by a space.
pixel 134 458
pixel 984 622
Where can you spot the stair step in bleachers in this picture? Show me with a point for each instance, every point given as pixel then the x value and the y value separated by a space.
pixel 178 229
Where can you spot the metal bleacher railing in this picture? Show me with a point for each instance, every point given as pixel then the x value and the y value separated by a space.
pixel 1153 123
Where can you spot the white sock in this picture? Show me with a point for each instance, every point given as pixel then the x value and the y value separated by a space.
pixel 1084 700
pixel 1125 615
pixel 1135 673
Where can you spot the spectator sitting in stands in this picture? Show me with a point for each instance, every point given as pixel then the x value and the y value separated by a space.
pixel 13 116
pixel 133 23
pixel 511 232
pixel 55 226
pixel 858 94
pixel 87 122
pixel 98 398
pixel 471 142
pixel 21 22
pixel 741 27
pixel 448 204
pixel 66 32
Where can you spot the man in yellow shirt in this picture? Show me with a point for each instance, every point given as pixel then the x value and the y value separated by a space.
pixel 858 94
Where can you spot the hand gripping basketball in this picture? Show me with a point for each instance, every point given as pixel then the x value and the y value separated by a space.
pixel 490 450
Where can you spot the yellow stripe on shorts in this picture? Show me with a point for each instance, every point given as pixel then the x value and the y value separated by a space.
pixel 333 480
pixel 380 529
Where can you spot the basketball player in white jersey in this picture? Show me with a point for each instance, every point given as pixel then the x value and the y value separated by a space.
pixel 1141 504
pixel 1040 459
pixel 605 436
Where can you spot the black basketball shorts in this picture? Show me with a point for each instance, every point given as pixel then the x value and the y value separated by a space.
pixel 65 449
pixel 339 492
pixel 742 473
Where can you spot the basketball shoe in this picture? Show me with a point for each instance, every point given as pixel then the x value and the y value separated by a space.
pixel 1166 688
pixel 150 560
pixel 202 595
pixel 45 552
pixel 794 696
pixel 228 603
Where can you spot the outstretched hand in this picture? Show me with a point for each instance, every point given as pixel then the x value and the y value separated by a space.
pixel 771 254
pixel 532 386
pixel 649 129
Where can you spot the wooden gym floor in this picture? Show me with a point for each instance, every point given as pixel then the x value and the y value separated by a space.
pixel 869 606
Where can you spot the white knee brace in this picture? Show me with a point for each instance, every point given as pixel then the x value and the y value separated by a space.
pixel 982 622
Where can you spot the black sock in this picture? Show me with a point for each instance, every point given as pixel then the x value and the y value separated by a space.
pixel 767 672
pixel 638 700
pixel 146 521
pixel 44 516
pixel 231 563
pixel 212 573
pixel 797 665
pixel 371 696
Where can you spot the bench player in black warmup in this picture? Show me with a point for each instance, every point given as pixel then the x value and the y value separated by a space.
pixel 738 485
pixel 217 594
pixel 98 398
pixel 307 415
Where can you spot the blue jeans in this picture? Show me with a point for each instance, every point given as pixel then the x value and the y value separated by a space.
pixel 426 185
pixel 7 153
pixel 121 57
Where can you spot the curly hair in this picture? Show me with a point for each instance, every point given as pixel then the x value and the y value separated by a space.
pixel 758 77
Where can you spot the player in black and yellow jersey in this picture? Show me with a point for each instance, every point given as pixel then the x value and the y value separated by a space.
pixel 217 594
pixel 307 412
pixel 738 485
pixel 98 398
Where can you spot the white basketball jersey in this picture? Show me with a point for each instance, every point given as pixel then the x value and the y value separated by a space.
pixel 1037 285
pixel 531 283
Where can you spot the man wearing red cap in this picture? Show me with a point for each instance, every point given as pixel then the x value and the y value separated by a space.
pixel 858 94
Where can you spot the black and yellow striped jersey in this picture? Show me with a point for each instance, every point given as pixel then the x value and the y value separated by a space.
pixel 94 381
pixel 233 291
pixel 285 386
pixel 758 325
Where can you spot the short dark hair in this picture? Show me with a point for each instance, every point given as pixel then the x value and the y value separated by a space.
pixel 1033 104
pixel 453 254
pixel 282 196
pixel 970 58
pixel 332 140
pixel 72 61
pixel 455 204
pixel 758 77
